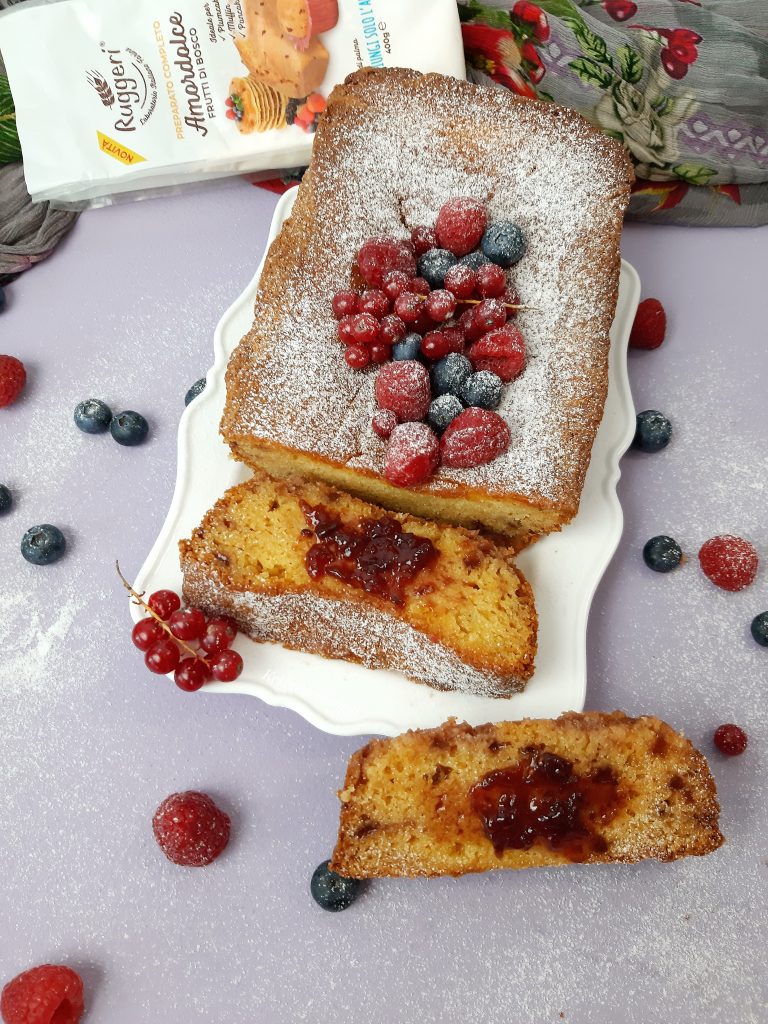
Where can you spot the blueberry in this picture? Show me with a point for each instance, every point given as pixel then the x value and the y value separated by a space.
pixel 197 389
pixel 662 554
pixel 129 428
pixel 6 500
pixel 292 109
pixel 443 410
pixel 332 891
pixel 474 260
pixel 653 431
pixel 759 629
pixel 434 265
pixel 450 373
pixel 408 348
pixel 93 416
pixel 482 390
pixel 42 545
pixel 503 243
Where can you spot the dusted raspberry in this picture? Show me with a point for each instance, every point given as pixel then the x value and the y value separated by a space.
pixel 491 281
pixel 460 225
pixel 729 562
pixel 344 303
pixel 384 422
pixel 423 239
pixel 441 305
pixel 650 326
pixel 460 280
pixel 403 388
pixel 395 283
pixel 501 351
pixel 437 344
pixel 378 255
pixel 190 829
pixel 409 307
pixel 43 995
pixel 475 437
pixel 13 377
pixel 392 330
pixel 375 302
pixel 425 323
pixel 730 740
pixel 413 453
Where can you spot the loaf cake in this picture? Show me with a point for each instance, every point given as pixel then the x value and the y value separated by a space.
pixel 297 563
pixel 391 149
pixel 591 788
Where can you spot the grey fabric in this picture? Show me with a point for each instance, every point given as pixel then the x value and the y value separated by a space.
pixel 28 231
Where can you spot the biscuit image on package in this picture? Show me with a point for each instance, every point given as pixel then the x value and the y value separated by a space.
pixel 258 107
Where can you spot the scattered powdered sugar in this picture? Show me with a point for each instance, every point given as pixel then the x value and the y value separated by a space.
pixel 391 168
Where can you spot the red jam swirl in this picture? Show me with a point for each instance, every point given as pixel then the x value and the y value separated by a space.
pixel 374 555
pixel 541 800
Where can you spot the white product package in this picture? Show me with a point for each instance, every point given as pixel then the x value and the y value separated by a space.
pixel 115 97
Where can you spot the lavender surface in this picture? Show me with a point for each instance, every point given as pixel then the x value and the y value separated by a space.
pixel 90 742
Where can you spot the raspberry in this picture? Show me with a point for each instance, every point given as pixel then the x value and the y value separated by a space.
pixel 460 280
pixel 13 377
pixel 409 306
pixel 650 325
pixel 378 255
pixel 190 829
pixel 403 388
pixel 365 329
pixel 191 674
pixel 392 329
pixel 437 344
pixel 423 239
pixel 43 995
pixel 441 305
pixel 491 281
pixel 344 304
pixel 729 562
pixel 412 454
pixel 501 351
pixel 395 283
pixel 374 302
pixel 357 356
pixel 384 422
pixel 475 437
pixel 730 740
pixel 460 225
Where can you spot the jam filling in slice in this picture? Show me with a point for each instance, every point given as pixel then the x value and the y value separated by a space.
pixel 374 555
pixel 541 800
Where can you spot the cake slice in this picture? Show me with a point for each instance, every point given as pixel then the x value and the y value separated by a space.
pixel 297 563
pixel 391 149
pixel 592 788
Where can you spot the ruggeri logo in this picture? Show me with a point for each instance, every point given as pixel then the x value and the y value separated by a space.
pixel 127 87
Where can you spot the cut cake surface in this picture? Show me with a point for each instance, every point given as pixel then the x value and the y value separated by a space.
pixel 392 147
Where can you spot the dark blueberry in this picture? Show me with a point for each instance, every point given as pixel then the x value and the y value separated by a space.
pixel 408 348
pixel 450 373
pixel 474 260
pixel 482 390
pixel 443 410
pixel 759 629
pixel 197 389
pixel 93 416
pixel 6 500
pixel 653 431
pixel 129 428
pixel 503 243
pixel 662 554
pixel 332 891
pixel 434 265
pixel 42 545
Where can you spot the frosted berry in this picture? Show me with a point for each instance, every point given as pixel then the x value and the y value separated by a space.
pixel 483 390
pixel 419 285
pixel 403 388
pixel 460 225
pixel 344 329
pixel 437 344
pixel 730 740
pixel 375 302
pixel 6 497
pixel 332 891
pixel 434 265
pixel 653 431
pixel 226 666
pixel 217 636
pixel 365 329
pixel 50 994
pixel 501 351
pixel 759 629
pixel 489 314
pixel 466 324
pixel 395 283
pixel 380 353
pixel 344 303
pixel 408 348
pixel 491 281
pixel 460 280
pixel 443 411
pixel 13 377
pixel 474 260
pixel 409 306
pixel 196 389
pixel 503 243
pixel 129 428
pixel 187 623
pixel 146 633
pixel 43 544
pixel 93 416
pixel 441 305
pixel 384 422
pixel 650 325
pixel 190 829
pixel 662 554
pixel 164 602
pixel 423 239
pixel 191 674
pixel 162 657
pixel 357 356
pixel 392 330
pixel 510 298
pixel 412 455
pixel 729 562
pixel 450 374
pixel 475 437
pixel 378 255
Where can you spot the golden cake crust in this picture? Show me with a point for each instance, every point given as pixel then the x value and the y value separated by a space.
pixel 391 148
pixel 406 810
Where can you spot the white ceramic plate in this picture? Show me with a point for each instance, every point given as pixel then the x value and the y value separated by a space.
pixel 564 568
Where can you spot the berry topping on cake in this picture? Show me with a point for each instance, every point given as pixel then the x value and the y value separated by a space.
pixel 489 314
pixel 365 329
pixel 653 431
pixel 408 348
pixel 501 351
pixel 190 829
pixel 729 562
pixel 43 545
pixel 379 255
pixel 662 554
pixel 419 285
pixel 443 411
pixel 474 260
pixel 434 265
pixel 93 416
pixel 461 280
pixel 384 422
pixel 13 377
pixel 491 281
pixel 357 356
pixel 730 740
pixel 460 225
pixel 393 329
pixel 437 344
pixel 380 353
pixel 409 307
pixel 344 303
pixel 412 455
pixel 331 891
pixel 403 388
pixel 759 629
pixel 503 243
pixel 395 283
pixel 483 390
pixel 441 305
pixel 475 437
pixel 424 238
pixel 50 994
pixel 375 302
pixel 650 326
pixel 450 374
